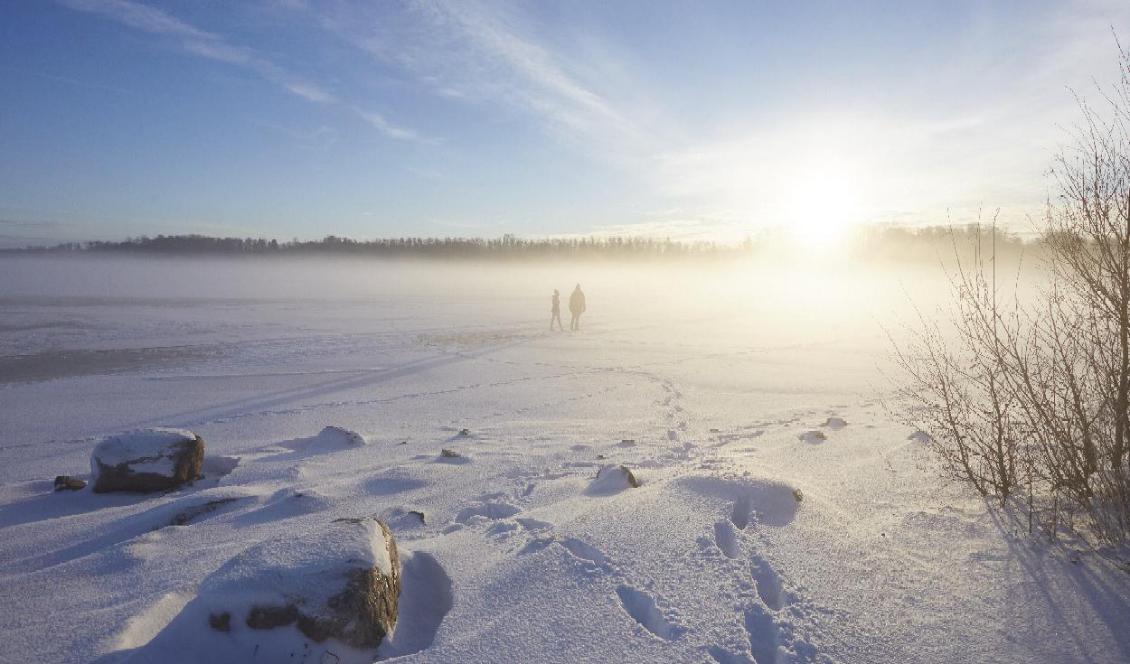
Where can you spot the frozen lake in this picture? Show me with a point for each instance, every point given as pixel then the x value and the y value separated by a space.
pixel 704 381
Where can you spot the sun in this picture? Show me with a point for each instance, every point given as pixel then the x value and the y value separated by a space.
pixel 821 207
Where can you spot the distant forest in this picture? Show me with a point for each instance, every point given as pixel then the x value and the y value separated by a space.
pixel 888 243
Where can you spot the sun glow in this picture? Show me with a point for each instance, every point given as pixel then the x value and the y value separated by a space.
pixel 821 208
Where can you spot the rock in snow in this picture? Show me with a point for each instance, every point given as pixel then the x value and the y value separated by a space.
pixel 813 437
pixel 612 479
pixel 146 460
pixel 835 423
pixel 920 436
pixel 68 483
pixel 340 582
pixel 343 436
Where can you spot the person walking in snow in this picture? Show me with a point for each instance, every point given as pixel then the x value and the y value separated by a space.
pixel 555 312
pixel 576 307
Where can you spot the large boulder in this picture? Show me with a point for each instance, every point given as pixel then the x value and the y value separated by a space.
pixel 340 582
pixel 335 586
pixel 146 460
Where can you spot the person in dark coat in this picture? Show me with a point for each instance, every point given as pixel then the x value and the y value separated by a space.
pixel 555 312
pixel 576 307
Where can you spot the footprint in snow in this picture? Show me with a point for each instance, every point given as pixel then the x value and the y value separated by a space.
pixel 723 656
pixel 584 551
pixel 490 511
pixel 503 528
pixel 496 495
pixel 536 544
pixel 534 525
pixel 768 583
pixel 642 608
pixel 760 625
pixel 762 631
pixel 739 516
pixel 726 539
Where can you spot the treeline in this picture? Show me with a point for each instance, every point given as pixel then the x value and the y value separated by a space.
pixel 508 247
pixel 934 243
pixel 879 243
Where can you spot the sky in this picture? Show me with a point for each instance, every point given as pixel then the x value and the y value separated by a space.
pixel 690 120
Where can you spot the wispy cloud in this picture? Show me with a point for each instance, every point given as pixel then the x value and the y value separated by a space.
pixel 381 124
pixel 212 46
pixel 979 131
pixel 202 43
pixel 481 53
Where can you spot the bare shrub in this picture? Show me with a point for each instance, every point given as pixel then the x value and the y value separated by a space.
pixel 1032 397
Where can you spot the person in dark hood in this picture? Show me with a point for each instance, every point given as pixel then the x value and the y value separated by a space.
pixel 555 311
pixel 576 307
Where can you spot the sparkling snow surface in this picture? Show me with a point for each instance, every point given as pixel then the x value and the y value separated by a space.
pixel 718 376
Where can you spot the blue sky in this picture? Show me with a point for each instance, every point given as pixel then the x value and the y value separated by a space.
pixel 689 119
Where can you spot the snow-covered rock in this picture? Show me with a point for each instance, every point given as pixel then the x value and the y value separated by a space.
pixel 813 437
pixel 612 479
pixel 920 436
pixel 835 423
pixel 146 460
pixel 335 589
pixel 68 483
pixel 340 436
pixel 452 457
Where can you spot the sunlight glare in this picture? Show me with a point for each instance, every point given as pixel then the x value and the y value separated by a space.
pixel 821 208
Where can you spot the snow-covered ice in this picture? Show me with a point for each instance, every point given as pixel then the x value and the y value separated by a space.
pixel 508 555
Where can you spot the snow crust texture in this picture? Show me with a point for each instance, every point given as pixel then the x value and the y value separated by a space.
pixel 749 539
